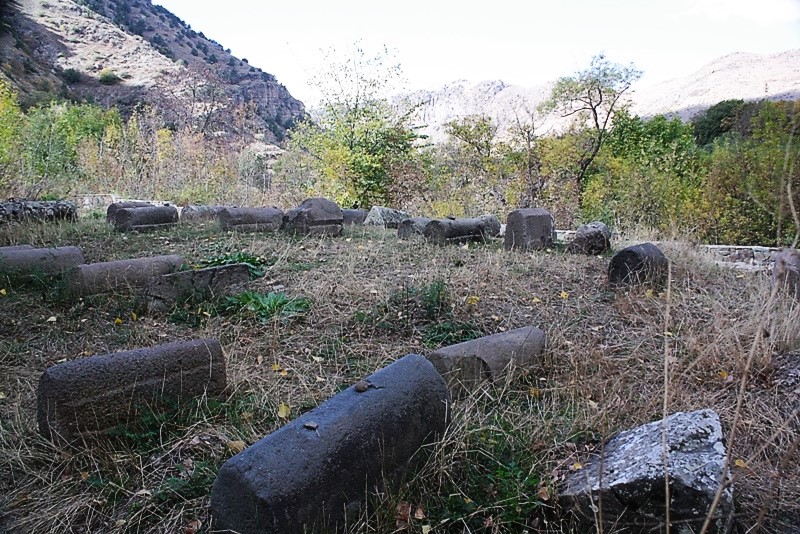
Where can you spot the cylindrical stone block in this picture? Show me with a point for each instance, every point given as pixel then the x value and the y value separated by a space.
pixel 443 231
pixel 90 396
pixel 529 229
pixel 44 261
pixel 314 472
pixel 353 217
pixel 638 264
pixel 120 275
pixel 315 216
pixel 201 213
pixel 251 219
pixel 466 365
pixel 145 219
pixel 413 226
pixel 114 207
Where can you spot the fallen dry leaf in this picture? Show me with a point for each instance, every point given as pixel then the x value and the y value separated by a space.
pixel 419 513
pixel 284 411
pixel 236 446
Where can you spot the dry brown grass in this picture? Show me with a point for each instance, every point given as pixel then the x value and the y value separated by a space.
pixel 508 445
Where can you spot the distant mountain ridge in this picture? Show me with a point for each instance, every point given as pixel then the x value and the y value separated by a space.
pixel 65 46
pixel 734 76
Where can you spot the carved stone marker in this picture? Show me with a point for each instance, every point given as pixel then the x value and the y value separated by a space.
pixel 443 231
pixel 317 471
pixel 119 275
pixel 145 219
pixel 467 365
pixel 631 484
pixel 638 264
pixel 529 229
pixel 592 238
pixel 315 216
pixel 30 262
pixel 385 217
pixel 91 396
pixel 251 219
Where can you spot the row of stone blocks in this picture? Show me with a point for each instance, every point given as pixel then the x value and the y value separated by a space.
pixel 315 216
pixel 362 438
pixel 314 473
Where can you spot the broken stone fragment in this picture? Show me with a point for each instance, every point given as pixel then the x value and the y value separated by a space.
pixel 38 210
pixel 315 216
pixel 786 272
pixel 443 231
pixel 316 473
pixel 385 217
pixel 638 264
pixel 465 366
pixel 251 219
pixel 353 217
pixel 413 226
pixel 592 238
pixel 145 219
pixel 119 275
pixel 202 284
pixel 91 396
pixel 629 477
pixel 195 212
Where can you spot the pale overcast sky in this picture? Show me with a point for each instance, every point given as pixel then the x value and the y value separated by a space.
pixel 517 41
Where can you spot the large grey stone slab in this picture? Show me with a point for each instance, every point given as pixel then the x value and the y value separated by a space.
pixel 119 275
pixel 456 231
pixel 638 264
pixel 385 217
pixel 628 479
pixel 465 366
pixel 314 216
pixel 31 262
pixel 251 219
pixel 529 229
pixel 317 471
pixel 90 396
pixel 144 219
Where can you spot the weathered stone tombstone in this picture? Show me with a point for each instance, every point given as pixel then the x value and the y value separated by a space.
pixel 353 217
pixel 529 229
pixel 145 219
pixel 119 275
pixel 592 238
pixel 385 217
pixel 251 219
pixel 31 262
pixel 314 216
pixel 92 396
pixel 467 365
pixel 114 207
pixel 195 212
pixel 443 231
pixel 631 483
pixel 786 272
pixel 38 210
pixel 638 264
pixel 413 226
pixel 200 284
pixel 316 472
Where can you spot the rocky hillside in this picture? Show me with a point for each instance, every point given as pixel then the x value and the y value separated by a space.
pixel 121 52
pixel 735 76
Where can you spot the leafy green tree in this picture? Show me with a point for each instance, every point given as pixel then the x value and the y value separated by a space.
pixel 356 143
pixel 11 120
pixel 592 96
pixel 716 120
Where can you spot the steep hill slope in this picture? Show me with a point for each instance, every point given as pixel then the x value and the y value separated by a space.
pixel 125 51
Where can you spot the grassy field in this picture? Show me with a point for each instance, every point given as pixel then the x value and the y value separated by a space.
pixel 371 299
